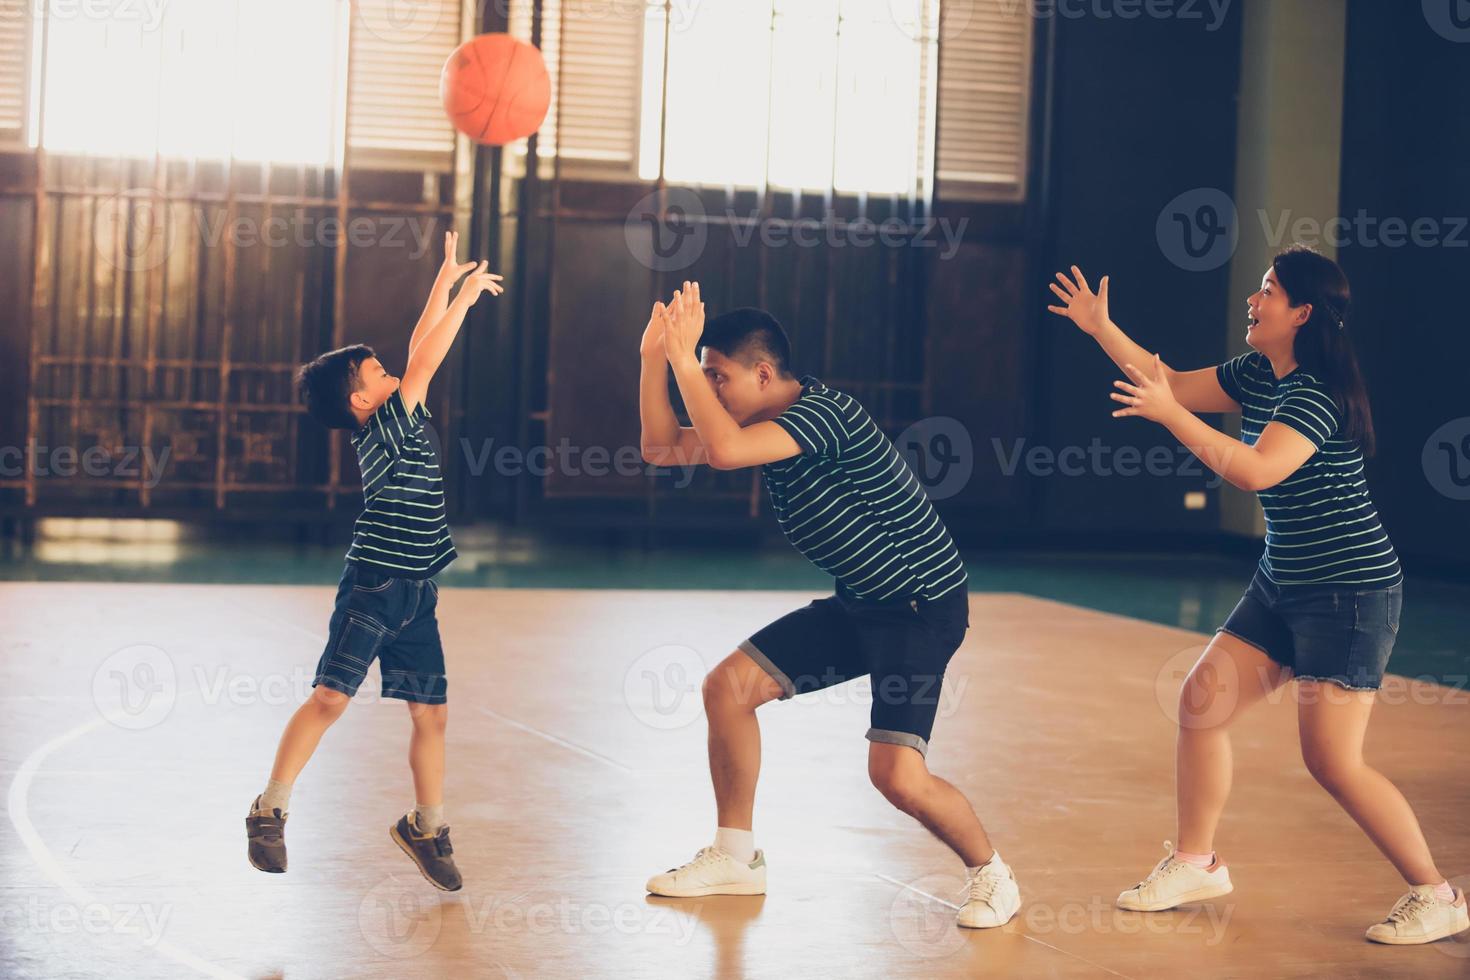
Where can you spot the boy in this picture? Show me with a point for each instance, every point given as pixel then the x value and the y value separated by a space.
pixel 848 502
pixel 387 596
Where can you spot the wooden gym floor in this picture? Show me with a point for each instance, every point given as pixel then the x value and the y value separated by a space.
pixel 141 720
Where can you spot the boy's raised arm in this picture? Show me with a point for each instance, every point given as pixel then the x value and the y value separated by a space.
pixel 437 303
pixel 425 357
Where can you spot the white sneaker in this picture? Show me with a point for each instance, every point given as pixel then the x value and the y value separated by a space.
pixel 992 897
pixel 1173 883
pixel 1420 917
pixel 712 872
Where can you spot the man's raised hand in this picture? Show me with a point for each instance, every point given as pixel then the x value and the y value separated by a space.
pixel 683 322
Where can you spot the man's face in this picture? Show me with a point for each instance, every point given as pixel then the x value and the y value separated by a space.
pixel 740 389
pixel 374 386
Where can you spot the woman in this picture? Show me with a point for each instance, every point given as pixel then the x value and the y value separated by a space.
pixel 1324 604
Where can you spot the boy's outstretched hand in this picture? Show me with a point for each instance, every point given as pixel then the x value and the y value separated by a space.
pixel 479 282
pixel 451 269
pixel 683 322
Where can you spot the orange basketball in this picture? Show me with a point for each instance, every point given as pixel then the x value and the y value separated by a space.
pixel 495 89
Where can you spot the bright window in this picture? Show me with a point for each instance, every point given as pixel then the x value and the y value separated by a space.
pixel 252 79
pixel 795 93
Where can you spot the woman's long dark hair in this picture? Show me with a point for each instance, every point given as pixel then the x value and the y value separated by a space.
pixel 1324 348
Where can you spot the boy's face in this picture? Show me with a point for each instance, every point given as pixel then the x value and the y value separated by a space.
pixel 374 386
pixel 744 392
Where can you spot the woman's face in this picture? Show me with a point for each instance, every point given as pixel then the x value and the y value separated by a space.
pixel 1273 322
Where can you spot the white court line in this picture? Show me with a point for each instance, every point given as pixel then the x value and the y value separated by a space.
pixel 905 886
pixel 16 802
pixel 555 739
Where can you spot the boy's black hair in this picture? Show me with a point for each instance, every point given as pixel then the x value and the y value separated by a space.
pixel 327 382
pixel 749 335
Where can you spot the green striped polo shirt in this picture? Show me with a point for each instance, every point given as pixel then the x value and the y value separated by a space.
pixel 402 530
pixel 1321 526
pixel 853 507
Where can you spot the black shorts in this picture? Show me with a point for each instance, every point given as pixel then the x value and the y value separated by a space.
pixel 392 619
pixel 905 645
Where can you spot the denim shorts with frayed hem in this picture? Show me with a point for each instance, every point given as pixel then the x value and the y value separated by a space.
pixel 1343 634
pixel 392 620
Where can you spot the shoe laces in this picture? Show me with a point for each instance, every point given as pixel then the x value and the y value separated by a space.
pixel 704 856
pixel 983 884
pixel 1410 906
pixel 1164 868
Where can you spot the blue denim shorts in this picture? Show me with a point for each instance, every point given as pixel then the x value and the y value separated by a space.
pixel 1337 633
pixel 392 620
pixel 905 645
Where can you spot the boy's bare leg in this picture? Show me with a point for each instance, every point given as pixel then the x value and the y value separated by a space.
pixel 426 752
pixel 266 822
pixel 304 731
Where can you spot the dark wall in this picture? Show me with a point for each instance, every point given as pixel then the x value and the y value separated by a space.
pixel 16 219
pixel 1406 155
pixel 1143 111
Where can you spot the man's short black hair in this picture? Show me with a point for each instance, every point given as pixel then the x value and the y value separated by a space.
pixel 749 335
pixel 327 382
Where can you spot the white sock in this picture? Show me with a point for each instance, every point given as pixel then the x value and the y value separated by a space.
pixel 277 796
pixel 739 844
pixel 994 859
pixel 429 818
pixel 1445 892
